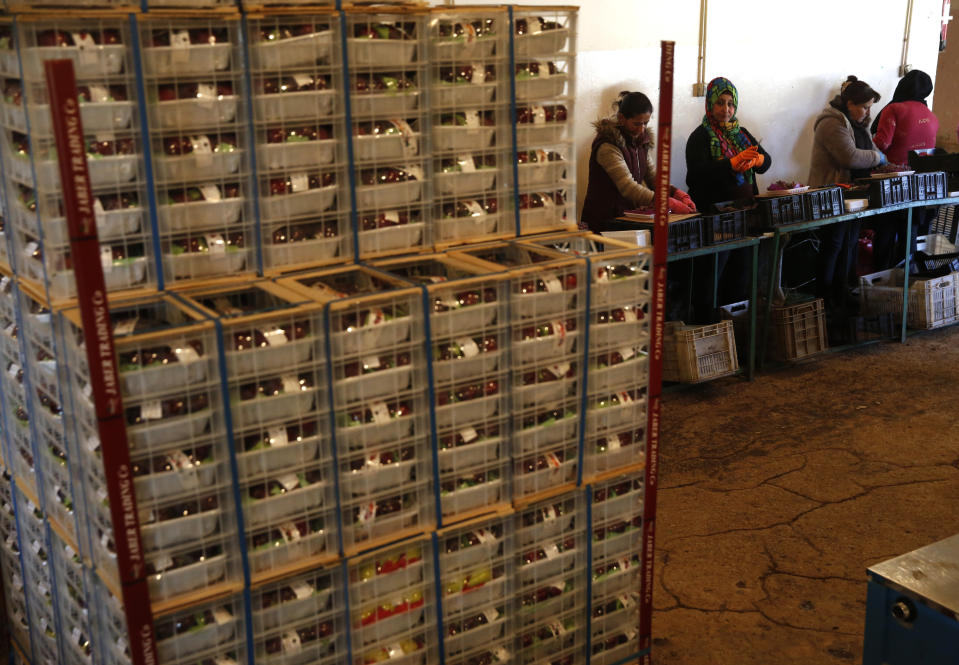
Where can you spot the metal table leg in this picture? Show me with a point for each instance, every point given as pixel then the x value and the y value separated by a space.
pixel 753 286
pixel 905 275
pixel 767 313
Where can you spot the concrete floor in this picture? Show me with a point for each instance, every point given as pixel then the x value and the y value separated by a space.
pixel 776 496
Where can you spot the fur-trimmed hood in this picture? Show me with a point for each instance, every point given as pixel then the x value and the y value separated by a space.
pixel 607 130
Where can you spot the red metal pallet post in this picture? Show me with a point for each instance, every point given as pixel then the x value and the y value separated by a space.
pixel 101 357
pixel 658 316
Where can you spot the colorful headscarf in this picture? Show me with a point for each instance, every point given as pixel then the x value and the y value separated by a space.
pixel 726 140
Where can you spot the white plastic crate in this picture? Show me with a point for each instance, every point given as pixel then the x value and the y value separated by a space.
pixel 699 353
pixel 932 302
pixel 798 330
pixel 393 605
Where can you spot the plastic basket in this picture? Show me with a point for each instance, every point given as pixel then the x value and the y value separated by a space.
pixel 889 191
pixel 798 330
pixel 822 203
pixel 685 234
pixel 699 353
pixel 779 210
pixel 932 302
pixel 929 186
pixel 724 227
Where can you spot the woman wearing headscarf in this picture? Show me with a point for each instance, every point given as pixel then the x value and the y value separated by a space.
pixel 621 173
pixel 722 160
pixel 842 151
pixel 905 124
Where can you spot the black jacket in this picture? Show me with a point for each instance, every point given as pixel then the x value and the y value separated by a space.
pixel 709 180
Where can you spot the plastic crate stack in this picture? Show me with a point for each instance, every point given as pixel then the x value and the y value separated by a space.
pixel 550 602
pixel 393 605
pixel 18 616
pixel 275 377
pixel 475 580
pixel 616 521
pixel 300 136
pixel 381 415
pixel 469 87
pixel 544 82
pixel 193 71
pixel 387 54
pixel 617 359
pixel 103 53
pixel 547 305
pixel 467 310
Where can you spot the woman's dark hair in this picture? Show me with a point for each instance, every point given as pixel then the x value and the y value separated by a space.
pixel 856 91
pixel 631 104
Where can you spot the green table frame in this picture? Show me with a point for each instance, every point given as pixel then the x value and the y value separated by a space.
pixel 778 231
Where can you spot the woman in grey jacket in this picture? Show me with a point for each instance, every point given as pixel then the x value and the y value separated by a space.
pixel 842 151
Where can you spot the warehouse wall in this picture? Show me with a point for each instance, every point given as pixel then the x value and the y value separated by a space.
pixel 947 87
pixel 787 59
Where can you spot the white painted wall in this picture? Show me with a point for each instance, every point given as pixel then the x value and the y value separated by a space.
pixel 786 58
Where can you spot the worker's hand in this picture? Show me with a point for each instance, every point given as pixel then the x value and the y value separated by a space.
pixel 759 161
pixel 683 198
pixel 677 206
pixel 742 161
pixel 882 158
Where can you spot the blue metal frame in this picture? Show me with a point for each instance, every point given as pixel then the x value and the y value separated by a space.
pixel 251 139
pixel 512 124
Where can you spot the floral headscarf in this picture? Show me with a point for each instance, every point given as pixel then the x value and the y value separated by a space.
pixel 728 139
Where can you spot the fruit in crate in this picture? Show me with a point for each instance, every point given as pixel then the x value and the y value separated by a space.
pixel 280 186
pixel 97 149
pixel 172 407
pixel 298 134
pixel 376 364
pixel 170 91
pixel 195 36
pixel 472 539
pixel 457 74
pixel 185 145
pixel 545 375
pixel 528 70
pixel 385 30
pixel 891 168
pixel 455 440
pixel 467 392
pixel 383 82
pixel 305 636
pixel 292 483
pixel 61 38
pixel 486 119
pixel 567 282
pixel 455 164
pixel 538 156
pixel 545 593
pixel 380 508
pixel 480 28
pixel 294 434
pixel 299 83
pixel 286 533
pixel 274 387
pixel 545 418
pixel 453 350
pixel 255 338
pixel 378 128
pixel 352 320
pixel 402 648
pixel 153 356
pixel 174 461
pixel 410 600
pixel 389 564
pixel 617 528
pixel 378 460
pixel 449 486
pixel 118 201
pixel 527 115
pixel 459 209
pixel 186 624
pixel 285 595
pixel 386 175
pixel 305 232
pixel 276 33
pixel 231 242
pixel 536 24
pixel 195 194
pixel 178 510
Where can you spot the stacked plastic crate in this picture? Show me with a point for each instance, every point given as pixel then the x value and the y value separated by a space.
pixel 381 426
pixel 275 377
pixel 180 461
pixel 618 349
pixel 472 152
pixel 547 304
pixel 18 616
pixel 104 60
pixel 388 73
pixel 544 80
pixel 550 603
pixel 475 585
pixel 300 619
pixel 195 91
pixel 467 310
pixel 74 594
pixel 300 136
pixel 616 521
pixel 392 605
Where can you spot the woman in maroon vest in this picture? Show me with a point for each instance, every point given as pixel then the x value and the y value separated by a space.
pixel 621 175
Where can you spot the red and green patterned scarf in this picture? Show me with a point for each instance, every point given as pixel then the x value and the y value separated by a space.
pixel 726 140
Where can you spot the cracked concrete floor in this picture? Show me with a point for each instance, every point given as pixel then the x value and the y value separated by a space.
pixel 776 495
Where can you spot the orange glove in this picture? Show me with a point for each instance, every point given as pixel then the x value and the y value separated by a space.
pixel 759 161
pixel 742 161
